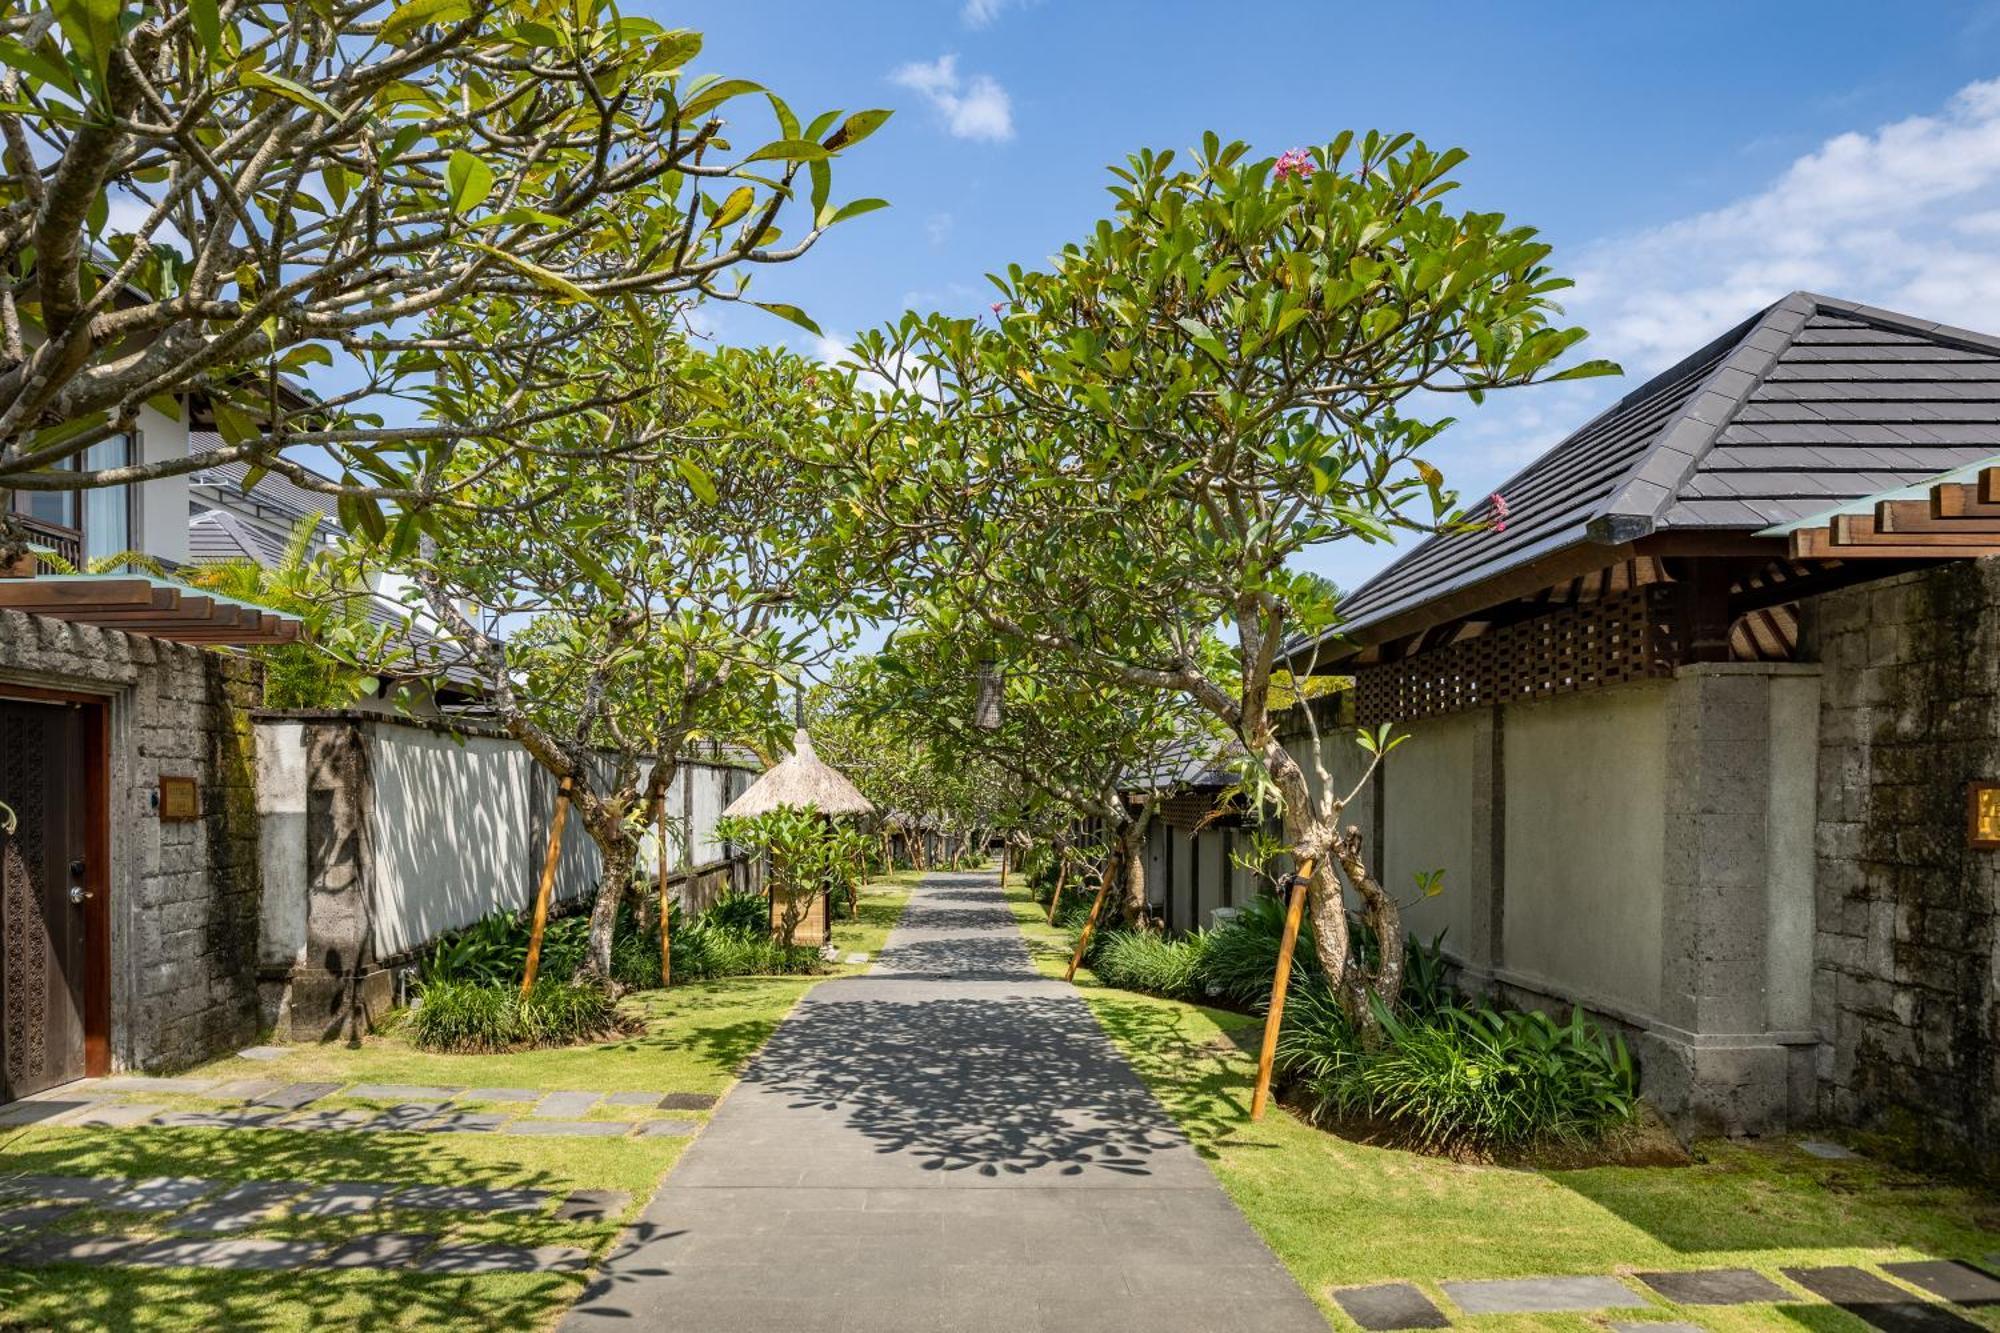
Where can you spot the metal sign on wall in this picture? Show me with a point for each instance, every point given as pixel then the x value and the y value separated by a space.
pixel 179 798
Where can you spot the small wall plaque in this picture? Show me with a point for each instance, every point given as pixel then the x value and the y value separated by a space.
pixel 1982 816
pixel 179 798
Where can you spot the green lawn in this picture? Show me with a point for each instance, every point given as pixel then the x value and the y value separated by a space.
pixel 1339 1213
pixel 696 1038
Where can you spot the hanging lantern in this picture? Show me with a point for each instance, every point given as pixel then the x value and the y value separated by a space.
pixel 986 708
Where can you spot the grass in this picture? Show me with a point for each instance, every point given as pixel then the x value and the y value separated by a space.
pixel 695 1039
pixel 1339 1213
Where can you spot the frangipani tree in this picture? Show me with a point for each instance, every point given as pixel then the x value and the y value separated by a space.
pixel 618 608
pixel 1244 363
pixel 211 197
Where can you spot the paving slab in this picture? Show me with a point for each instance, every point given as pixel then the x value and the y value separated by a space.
pixel 135 1083
pixel 244 1254
pixel 957 1145
pixel 241 1206
pixel 474 1198
pixel 405 1117
pixel 593 1206
pixel 1717 1286
pixel 117 1115
pixel 648 1099
pixel 566 1105
pixel 244 1119
pixel 348 1199
pixel 262 1053
pixel 1392 1305
pixel 1877 1302
pixel 687 1101
pixel 501 1095
pixel 17 1114
pixel 504 1259
pixel 294 1096
pixel 670 1129
pixel 464 1122
pixel 1952 1280
pixel 1829 1152
pixel 402 1092
pixel 160 1194
pixel 244 1089
pixel 332 1118
pixel 1542 1295
pixel 33 1216
pixel 56 1248
pixel 63 1189
pixel 582 1129
pixel 391 1249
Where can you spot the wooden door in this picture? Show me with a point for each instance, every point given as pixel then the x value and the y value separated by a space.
pixel 45 875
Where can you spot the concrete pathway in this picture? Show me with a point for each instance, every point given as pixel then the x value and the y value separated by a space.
pixel 948 1142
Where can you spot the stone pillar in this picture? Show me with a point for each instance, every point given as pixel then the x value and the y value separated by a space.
pixel 1732 1051
pixel 1485 950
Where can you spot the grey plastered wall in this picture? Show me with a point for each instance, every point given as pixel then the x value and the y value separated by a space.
pixel 185 895
pixel 1428 826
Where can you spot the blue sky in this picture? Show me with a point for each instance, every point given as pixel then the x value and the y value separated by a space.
pixel 1689 161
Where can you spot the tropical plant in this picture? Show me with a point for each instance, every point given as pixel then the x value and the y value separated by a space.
pixel 205 198
pixel 1247 361
pixel 1148 961
pixel 806 857
pixel 470 1016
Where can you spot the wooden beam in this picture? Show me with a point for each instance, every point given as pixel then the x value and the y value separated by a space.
pixel 1923 516
pixel 1860 530
pixel 1818 544
pixel 57 593
pixel 1960 499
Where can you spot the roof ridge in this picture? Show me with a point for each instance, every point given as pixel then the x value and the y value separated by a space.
pixel 1655 478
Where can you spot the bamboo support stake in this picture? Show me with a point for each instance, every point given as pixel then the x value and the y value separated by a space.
pixel 1294 910
pixel 1003 869
pixel 1055 898
pixel 1090 923
pixel 666 908
pixel 542 890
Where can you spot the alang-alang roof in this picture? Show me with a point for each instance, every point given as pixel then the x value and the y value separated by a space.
pixel 1810 403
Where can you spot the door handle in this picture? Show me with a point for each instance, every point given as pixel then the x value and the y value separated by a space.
pixel 77 893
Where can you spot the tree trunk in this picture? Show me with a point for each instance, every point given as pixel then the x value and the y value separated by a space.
pixel 613 881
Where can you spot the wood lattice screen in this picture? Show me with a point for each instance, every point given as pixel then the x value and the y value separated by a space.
pixel 1624 636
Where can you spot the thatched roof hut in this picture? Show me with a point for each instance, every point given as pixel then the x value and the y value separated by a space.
pixel 801 779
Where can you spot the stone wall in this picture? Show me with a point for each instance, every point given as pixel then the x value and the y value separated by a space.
pixel 184 906
pixel 1907 983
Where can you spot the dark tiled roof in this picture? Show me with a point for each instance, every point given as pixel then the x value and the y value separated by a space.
pixel 273 490
pixel 216 535
pixel 1811 402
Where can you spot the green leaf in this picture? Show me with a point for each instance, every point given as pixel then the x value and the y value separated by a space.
pixel 698 481
pixel 287 89
pixel 789 312
pixel 404 21
pixel 92 29
pixel 788 150
pixel 851 210
pixel 715 94
pixel 234 426
pixel 735 206
pixel 38 65
pixel 469 179
pixel 856 128
pixel 554 282
pixel 206 15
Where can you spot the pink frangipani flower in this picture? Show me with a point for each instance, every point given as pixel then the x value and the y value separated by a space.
pixel 1499 511
pixel 1294 162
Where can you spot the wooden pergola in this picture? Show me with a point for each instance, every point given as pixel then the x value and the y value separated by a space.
pixel 1953 516
pixel 137 604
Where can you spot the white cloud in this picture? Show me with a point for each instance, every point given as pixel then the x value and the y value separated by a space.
pixel 937 228
pixel 981 13
pixel 973 107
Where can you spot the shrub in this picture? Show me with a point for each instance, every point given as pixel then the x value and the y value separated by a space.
pixel 472 1016
pixel 1146 961
pixel 1242 957
pixel 1482 1078
pixel 745 913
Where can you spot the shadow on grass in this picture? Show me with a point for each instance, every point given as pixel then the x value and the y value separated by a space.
pixel 1208 1095
pixel 71 1296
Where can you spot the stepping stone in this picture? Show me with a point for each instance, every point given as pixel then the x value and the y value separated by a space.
pixel 687 1101
pixel 393 1249
pixel 35 1113
pixel 504 1259
pixel 64 1189
pixel 648 1099
pixel 1874 1301
pixel 246 1089
pixel 1952 1280
pixel 465 1122
pixel 1542 1295
pixel 262 1053
pixel 1391 1305
pixel 1718 1286
pixel 565 1105
pixel 667 1129
pixel 32 1217
pixel 196 1086
pixel 56 1248
pixel 1636 1326
pixel 247 1254
pixel 295 1096
pixel 245 1119
pixel 1831 1152
pixel 118 1115
pixel 333 1120
pixel 593 1206
pixel 402 1117
pixel 500 1095
pixel 472 1198
pixel 855 958
pixel 161 1194
pixel 348 1199
pixel 401 1092
pixel 241 1206
pixel 583 1129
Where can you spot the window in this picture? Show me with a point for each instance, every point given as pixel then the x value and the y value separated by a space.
pixel 107 510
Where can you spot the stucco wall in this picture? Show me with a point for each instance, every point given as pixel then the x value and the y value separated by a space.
pixel 1427 824
pixel 184 895
pixel 1585 786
